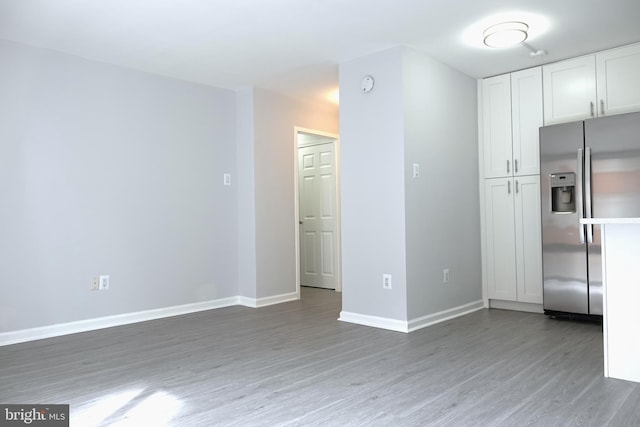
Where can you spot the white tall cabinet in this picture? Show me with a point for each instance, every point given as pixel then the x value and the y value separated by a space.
pixel 496 130
pixel 499 228
pixel 511 116
pixel 528 239
pixel 592 86
pixel 512 108
pixel 526 119
pixel 513 239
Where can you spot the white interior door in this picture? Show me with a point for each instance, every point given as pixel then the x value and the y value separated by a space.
pixel 318 237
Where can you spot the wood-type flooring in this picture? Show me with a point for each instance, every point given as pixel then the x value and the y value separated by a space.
pixel 294 364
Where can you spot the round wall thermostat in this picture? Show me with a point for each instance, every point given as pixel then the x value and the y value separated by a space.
pixel 367 84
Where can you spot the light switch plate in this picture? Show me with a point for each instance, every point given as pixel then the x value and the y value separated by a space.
pixel 386 281
pixel 104 282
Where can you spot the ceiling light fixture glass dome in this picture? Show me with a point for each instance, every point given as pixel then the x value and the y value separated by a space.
pixel 505 34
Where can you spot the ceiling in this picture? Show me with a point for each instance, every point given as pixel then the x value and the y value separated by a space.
pixel 295 46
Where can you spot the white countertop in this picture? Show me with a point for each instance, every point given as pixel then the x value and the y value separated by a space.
pixel 610 221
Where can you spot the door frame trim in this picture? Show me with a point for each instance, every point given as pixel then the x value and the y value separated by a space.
pixel 296 190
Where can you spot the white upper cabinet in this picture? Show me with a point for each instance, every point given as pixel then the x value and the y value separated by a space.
pixel 606 83
pixel 526 119
pixel 496 126
pixel 511 116
pixel 618 78
pixel 569 90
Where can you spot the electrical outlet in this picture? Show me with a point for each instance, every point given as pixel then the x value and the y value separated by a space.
pixel 104 282
pixel 95 283
pixel 416 170
pixel 386 281
pixel 226 179
pixel 445 275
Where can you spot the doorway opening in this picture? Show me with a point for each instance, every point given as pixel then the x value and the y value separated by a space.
pixel 317 180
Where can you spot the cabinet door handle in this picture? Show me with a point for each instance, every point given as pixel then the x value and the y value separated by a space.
pixel 515 165
pixel 592 112
pixel 508 187
pixel 602 106
pixel 517 187
pixel 507 166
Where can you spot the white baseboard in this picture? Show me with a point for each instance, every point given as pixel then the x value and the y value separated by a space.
pixel 432 319
pixel 516 306
pixel 375 321
pixel 24 335
pixel 411 325
pixel 265 301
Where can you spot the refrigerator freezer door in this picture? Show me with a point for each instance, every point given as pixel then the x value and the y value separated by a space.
pixel 615 183
pixel 564 257
pixel 615 165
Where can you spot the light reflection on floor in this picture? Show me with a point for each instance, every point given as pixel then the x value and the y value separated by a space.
pixel 120 410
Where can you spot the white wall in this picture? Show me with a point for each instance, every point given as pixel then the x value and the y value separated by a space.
pixel 442 206
pixel 105 170
pixel 420 111
pixel 372 186
pixel 274 155
pixel 244 181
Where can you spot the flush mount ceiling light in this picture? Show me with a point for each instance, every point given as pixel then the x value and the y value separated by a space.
pixel 505 34
pixel 524 27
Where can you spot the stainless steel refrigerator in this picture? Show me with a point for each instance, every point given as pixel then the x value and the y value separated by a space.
pixel 588 169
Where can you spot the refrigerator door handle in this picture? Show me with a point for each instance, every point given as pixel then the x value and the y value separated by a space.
pixel 579 204
pixel 587 191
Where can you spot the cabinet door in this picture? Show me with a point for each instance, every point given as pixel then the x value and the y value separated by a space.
pixel 618 72
pixel 528 239
pixel 500 239
pixel 569 90
pixel 526 116
pixel 496 126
